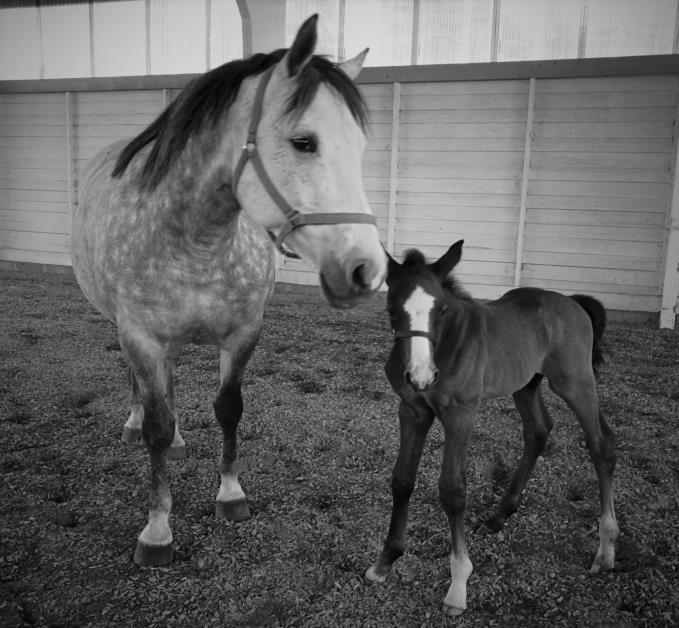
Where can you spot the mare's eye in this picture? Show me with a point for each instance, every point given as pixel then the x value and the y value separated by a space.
pixel 305 144
pixel 443 310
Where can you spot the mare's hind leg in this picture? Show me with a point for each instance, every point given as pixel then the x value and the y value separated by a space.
pixel 231 503
pixel 132 428
pixel 581 396
pixel 150 364
pixel 537 425
pixel 415 420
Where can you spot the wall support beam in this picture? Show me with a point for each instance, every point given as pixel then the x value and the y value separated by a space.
pixel 670 284
pixel 70 173
pixel 393 167
pixel 528 142
pixel 263 25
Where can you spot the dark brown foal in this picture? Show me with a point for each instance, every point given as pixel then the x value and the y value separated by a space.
pixel 450 353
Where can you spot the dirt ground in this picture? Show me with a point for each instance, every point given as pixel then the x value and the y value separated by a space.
pixel 318 440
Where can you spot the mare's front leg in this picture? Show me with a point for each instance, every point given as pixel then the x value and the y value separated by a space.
pixel 231 503
pixel 415 420
pixel 132 428
pixel 458 422
pixel 149 362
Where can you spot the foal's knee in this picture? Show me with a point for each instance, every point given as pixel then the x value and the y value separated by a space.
pixel 453 498
pixel 401 487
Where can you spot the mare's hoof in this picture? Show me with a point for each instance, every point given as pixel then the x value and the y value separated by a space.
pixel 452 611
pixel 130 434
pixel 372 576
pixel 153 555
pixel 236 510
pixel 176 452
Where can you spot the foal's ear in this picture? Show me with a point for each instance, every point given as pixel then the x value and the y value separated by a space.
pixel 352 67
pixel 302 48
pixel 448 260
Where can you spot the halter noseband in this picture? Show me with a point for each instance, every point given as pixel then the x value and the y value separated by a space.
pixel 409 333
pixel 294 219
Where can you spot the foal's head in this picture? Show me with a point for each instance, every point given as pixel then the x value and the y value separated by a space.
pixel 417 302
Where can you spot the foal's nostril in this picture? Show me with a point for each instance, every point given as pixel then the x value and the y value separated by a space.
pixel 435 377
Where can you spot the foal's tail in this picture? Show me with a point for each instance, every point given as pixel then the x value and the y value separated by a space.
pixel 597 314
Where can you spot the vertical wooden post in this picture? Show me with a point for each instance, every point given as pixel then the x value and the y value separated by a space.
pixel 70 178
pixel 670 284
pixel 393 168
pixel 208 33
pixel 415 37
pixel 147 34
pixel 495 31
pixel 524 183
pixel 93 67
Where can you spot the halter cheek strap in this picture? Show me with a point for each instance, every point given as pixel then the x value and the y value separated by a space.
pixel 294 219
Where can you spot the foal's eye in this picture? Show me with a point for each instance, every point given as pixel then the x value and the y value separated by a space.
pixel 305 144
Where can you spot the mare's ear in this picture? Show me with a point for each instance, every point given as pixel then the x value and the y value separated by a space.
pixel 448 260
pixel 302 48
pixel 352 67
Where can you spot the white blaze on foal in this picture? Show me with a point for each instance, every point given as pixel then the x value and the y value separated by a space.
pixel 420 366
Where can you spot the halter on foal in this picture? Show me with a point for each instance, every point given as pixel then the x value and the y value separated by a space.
pixel 169 237
pixel 451 352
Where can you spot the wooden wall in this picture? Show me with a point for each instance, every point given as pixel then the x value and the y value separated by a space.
pixel 558 175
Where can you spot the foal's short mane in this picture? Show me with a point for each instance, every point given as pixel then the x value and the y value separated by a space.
pixel 415 259
pixel 206 98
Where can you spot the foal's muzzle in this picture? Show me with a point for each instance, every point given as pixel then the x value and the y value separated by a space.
pixel 421 387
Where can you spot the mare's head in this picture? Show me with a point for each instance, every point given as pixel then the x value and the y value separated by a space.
pixel 283 134
pixel 417 302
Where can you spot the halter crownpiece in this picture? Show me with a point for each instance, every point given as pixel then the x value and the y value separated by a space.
pixel 295 219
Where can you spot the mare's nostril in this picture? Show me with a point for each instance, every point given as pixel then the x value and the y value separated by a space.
pixel 435 377
pixel 358 277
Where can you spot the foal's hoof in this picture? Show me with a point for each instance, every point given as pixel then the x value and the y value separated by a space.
pixel 236 510
pixel 130 434
pixel 176 452
pixel 452 611
pixel 152 555
pixel 373 576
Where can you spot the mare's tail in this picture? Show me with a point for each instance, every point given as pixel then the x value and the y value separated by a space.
pixel 597 314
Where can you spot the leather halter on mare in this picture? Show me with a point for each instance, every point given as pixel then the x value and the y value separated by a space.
pixel 294 219
pixel 409 333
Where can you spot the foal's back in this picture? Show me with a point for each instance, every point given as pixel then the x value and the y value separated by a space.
pixel 529 331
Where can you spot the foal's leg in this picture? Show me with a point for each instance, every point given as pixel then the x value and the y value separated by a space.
pixel 415 421
pixel 149 362
pixel 581 396
pixel 231 503
pixel 537 424
pixel 132 428
pixel 457 423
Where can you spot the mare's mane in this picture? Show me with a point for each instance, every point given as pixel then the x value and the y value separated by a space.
pixel 414 259
pixel 206 98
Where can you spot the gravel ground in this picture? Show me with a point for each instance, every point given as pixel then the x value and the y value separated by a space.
pixel 318 440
